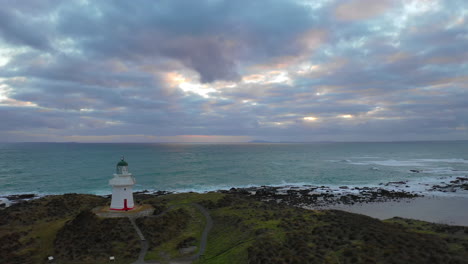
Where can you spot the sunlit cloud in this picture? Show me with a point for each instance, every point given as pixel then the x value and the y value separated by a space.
pixel 13 102
pixel 196 88
pixel 254 78
pixel 188 85
pixel 3 91
pixel 278 77
pixel 3 59
pixel 417 7
pixel 5 94
pixel 87 110
pixel 310 118
pixel 113 123
pixel 250 102
pixel 307 67
pixel 269 77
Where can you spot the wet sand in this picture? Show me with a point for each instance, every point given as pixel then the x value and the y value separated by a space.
pixel 436 209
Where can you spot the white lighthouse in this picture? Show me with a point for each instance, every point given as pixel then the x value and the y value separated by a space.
pixel 122 185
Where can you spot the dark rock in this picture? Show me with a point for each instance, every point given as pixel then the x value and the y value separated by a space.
pixel 21 196
pixel 344 199
pixel 396 183
pixel 142 192
pixel 265 192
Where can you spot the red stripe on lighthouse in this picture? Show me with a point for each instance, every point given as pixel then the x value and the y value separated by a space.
pixel 125 208
pixel 125 205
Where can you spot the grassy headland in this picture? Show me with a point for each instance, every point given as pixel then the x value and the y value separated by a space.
pixel 244 231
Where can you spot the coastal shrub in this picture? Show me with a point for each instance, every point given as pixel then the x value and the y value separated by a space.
pixel 89 238
pixel 209 204
pixel 189 241
pixel 49 208
pixel 336 236
pixel 158 205
pixel 9 245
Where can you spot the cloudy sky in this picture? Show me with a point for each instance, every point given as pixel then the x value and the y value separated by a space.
pixel 233 71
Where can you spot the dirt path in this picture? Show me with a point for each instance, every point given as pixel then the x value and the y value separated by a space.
pixel 203 241
pixel 204 237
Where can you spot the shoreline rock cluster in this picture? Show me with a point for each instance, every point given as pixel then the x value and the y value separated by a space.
pixel 322 196
pixel 459 184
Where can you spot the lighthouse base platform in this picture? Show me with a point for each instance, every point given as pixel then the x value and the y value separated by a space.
pixel 137 211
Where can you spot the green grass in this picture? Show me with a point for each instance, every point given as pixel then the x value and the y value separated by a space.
pixel 45 233
pixel 235 230
pixel 235 254
pixel 194 229
pixel 227 244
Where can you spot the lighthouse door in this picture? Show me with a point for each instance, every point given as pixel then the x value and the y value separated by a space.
pixel 125 205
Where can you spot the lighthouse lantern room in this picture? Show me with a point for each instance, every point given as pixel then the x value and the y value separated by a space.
pixel 122 188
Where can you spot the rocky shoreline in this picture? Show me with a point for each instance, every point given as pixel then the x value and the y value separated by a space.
pixel 313 196
pixel 325 196
pixel 321 196
pixel 459 184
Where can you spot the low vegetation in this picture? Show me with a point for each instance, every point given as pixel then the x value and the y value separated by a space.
pixel 244 231
pixel 89 239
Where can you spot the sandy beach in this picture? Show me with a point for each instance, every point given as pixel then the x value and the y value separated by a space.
pixel 436 209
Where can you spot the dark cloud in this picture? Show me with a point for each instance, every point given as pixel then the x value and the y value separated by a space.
pixel 207 36
pixel 17 30
pixel 279 70
pixel 13 118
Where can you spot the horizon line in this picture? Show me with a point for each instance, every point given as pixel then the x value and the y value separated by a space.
pixel 238 142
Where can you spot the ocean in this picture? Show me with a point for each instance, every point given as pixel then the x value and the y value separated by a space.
pixel 57 168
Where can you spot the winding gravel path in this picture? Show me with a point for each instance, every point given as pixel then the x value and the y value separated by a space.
pixel 143 242
pixel 203 241
pixel 204 237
